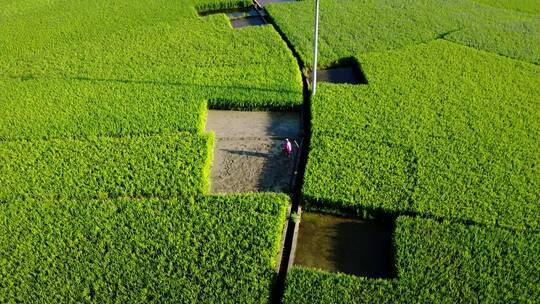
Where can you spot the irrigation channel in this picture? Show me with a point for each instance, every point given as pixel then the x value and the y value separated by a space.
pixel 263 129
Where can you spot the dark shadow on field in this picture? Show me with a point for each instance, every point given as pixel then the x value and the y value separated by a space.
pixel 278 171
pixel 247 152
pixel 344 71
pixel 347 245
pixel 364 248
pixel 340 75
pixel 448 33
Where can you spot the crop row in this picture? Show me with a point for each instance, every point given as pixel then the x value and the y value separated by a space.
pixel 442 130
pixel 436 263
pixel 219 249
pixel 68 108
pixel 151 42
pixel 215 5
pixel 156 165
pixel 348 28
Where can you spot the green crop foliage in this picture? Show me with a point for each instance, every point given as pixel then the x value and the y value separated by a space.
pixel 219 249
pixel 148 42
pixel 57 109
pixel 442 130
pixel 345 173
pixel 156 165
pixel 436 263
pixel 527 6
pixel 310 285
pixel 104 168
pixel 212 5
pixel 504 32
pixel 351 27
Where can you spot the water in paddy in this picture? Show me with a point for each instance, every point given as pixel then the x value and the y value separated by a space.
pixel 346 74
pixel 239 17
pixel 339 244
pixel 247 21
pixel 232 13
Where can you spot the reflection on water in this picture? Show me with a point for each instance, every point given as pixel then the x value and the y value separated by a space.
pixel 347 245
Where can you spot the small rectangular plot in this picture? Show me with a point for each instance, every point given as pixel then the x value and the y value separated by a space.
pixel 248 154
pixel 347 245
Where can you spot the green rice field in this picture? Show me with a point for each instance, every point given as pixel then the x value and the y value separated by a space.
pixel 105 163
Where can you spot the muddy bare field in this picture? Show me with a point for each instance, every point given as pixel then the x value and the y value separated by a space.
pixel 247 151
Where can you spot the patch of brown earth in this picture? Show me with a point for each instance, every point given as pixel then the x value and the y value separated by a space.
pixel 247 151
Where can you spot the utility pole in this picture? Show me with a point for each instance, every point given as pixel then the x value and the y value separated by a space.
pixel 315 46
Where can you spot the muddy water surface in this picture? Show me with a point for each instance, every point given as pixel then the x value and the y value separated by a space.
pixel 341 75
pixel 248 21
pixel 347 245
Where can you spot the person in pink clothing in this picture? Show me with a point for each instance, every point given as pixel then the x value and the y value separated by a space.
pixel 286 147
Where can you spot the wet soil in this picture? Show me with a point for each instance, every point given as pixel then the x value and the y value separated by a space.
pixel 352 246
pixel 242 124
pixel 247 151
